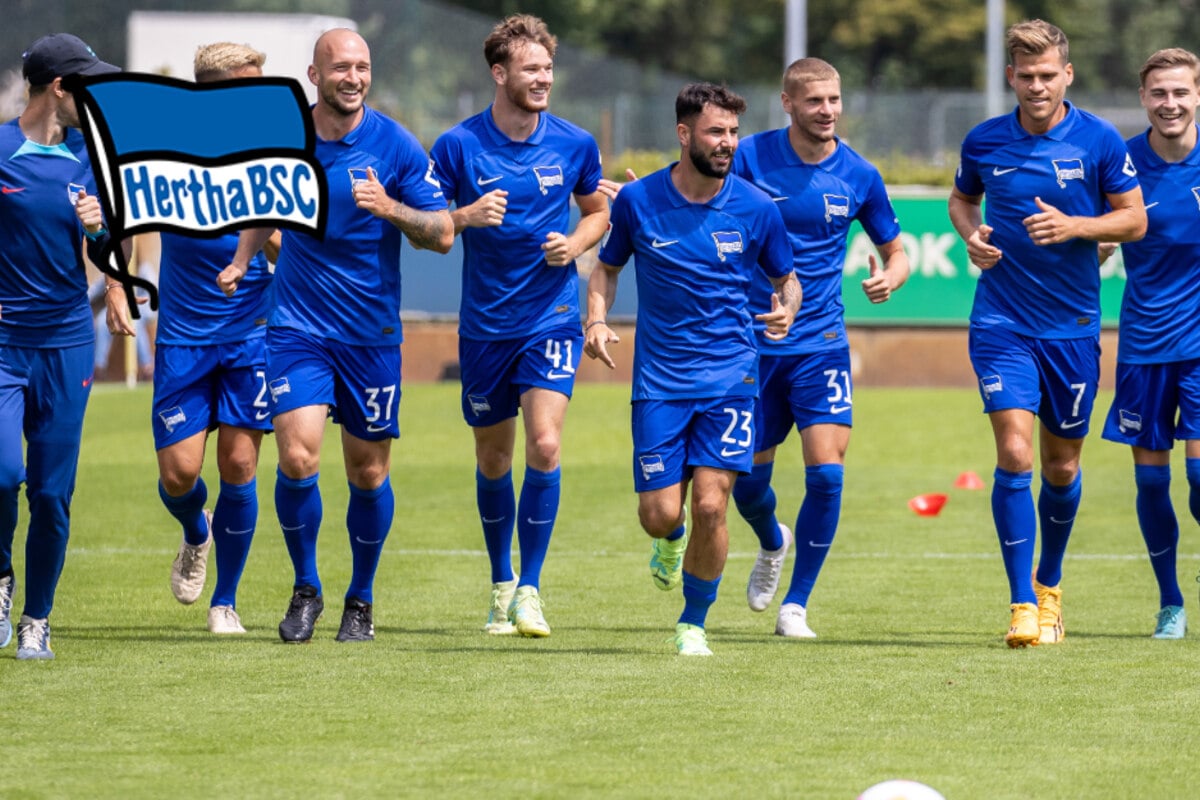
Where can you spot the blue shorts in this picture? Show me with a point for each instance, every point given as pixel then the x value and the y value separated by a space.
pixel 672 437
pixel 360 384
pixel 43 396
pixel 496 373
pixel 1146 399
pixel 1056 379
pixel 803 389
pixel 199 387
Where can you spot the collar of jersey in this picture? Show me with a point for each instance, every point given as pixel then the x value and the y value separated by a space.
pixel 500 137
pixel 679 201
pixel 357 132
pixel 1057 133
pixel 792 158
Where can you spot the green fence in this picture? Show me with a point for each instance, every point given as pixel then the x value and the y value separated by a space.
pixel 942 284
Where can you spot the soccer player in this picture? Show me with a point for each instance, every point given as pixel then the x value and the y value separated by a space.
pixel 699 235
pixel 511 172
pixel 1158 354
pixel 820 185
pixel 46 337
pixel 1058 180
pixel 209 372
pixel 333 339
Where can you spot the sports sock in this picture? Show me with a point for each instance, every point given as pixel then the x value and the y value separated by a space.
pixel 535 521
pixel 188 508
pixel 8 525
pixel 298 507
pixel 755 500
pixel 497 511
pixel 816 526
pixel 1160 528
pixel 698 595
pixel 1057 506
pixel 368 520
pixel 1016 526
pixel 234 519
pixel 1193 479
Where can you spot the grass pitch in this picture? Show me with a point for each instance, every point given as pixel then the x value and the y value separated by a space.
pixel 909 677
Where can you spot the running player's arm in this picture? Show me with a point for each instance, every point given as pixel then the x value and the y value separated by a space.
pixel 881 283
pixel 250 241
pixel 562 250
pixel 427 230
pixel 966 215
pixel 116 305
pixel 1124 222
pixel 271 246
pixel 602 291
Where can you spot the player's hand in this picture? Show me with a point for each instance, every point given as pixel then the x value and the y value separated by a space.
pixel 980 250
pixel 611 189
pixel 370 195
pixel 116 310
pixel 1049 225
pixel 488 211
pixel 596 339
pixel 877 288
pixel 87 209
pixel 558 250
pixel 229 278
pixel 778 319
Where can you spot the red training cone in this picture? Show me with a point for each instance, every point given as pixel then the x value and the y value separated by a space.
pixel 968 480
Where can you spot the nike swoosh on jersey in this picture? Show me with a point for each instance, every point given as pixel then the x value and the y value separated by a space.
pixel 998 172
pixel 727 453
pixel 12 189
pixel 656 243
pixel 1068 425
pixel 485 181
pixel 376 429
pixel 780 199
pixel 838 409
pixel 1152 205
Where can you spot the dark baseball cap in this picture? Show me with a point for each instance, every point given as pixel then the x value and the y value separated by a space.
pixel 60 55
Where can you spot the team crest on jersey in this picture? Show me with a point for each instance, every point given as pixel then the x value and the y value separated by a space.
pixel 278 387
pixel 991 384
pixel 836 205
pixel 172 417
pixel 479 404
pixel 547 177
pixel 1067 169
pixel 1128 421
pixel 1196 194
pixel 651 464
pixel 727 242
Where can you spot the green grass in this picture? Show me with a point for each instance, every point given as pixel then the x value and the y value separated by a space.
pixel 909 677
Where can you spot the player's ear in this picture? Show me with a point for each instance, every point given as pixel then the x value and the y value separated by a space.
pixel 1070 71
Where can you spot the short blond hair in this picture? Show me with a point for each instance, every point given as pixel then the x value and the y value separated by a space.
pixel 215 61
pixel 1170 58
pixel 807 70
pixel 1034 37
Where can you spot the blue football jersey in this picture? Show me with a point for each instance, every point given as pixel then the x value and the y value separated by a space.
pixel 818 202
pixel 347 286
pixel 193 310
pixel 43 281
pixel 509 290
pixel 695 264
pixel 1050 291
pixel 1160 311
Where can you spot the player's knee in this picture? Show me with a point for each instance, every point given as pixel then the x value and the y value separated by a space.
pixel 542 454
pixel 238 468
pixel 709 511
pixel 658 520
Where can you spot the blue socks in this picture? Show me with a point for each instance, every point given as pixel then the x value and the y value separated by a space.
pixel 497 513
pixel 189 510
pixel 1057 506
pixel 698 595
pixel 298 506
pixel 234 520
pixel 368 520
pixel 755 500
pixel 1193 479
pixel 1016 526
pixel 816 526
pixel 1160 528
pixel 535 521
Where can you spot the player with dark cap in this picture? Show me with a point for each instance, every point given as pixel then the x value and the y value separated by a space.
pixel 46 334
